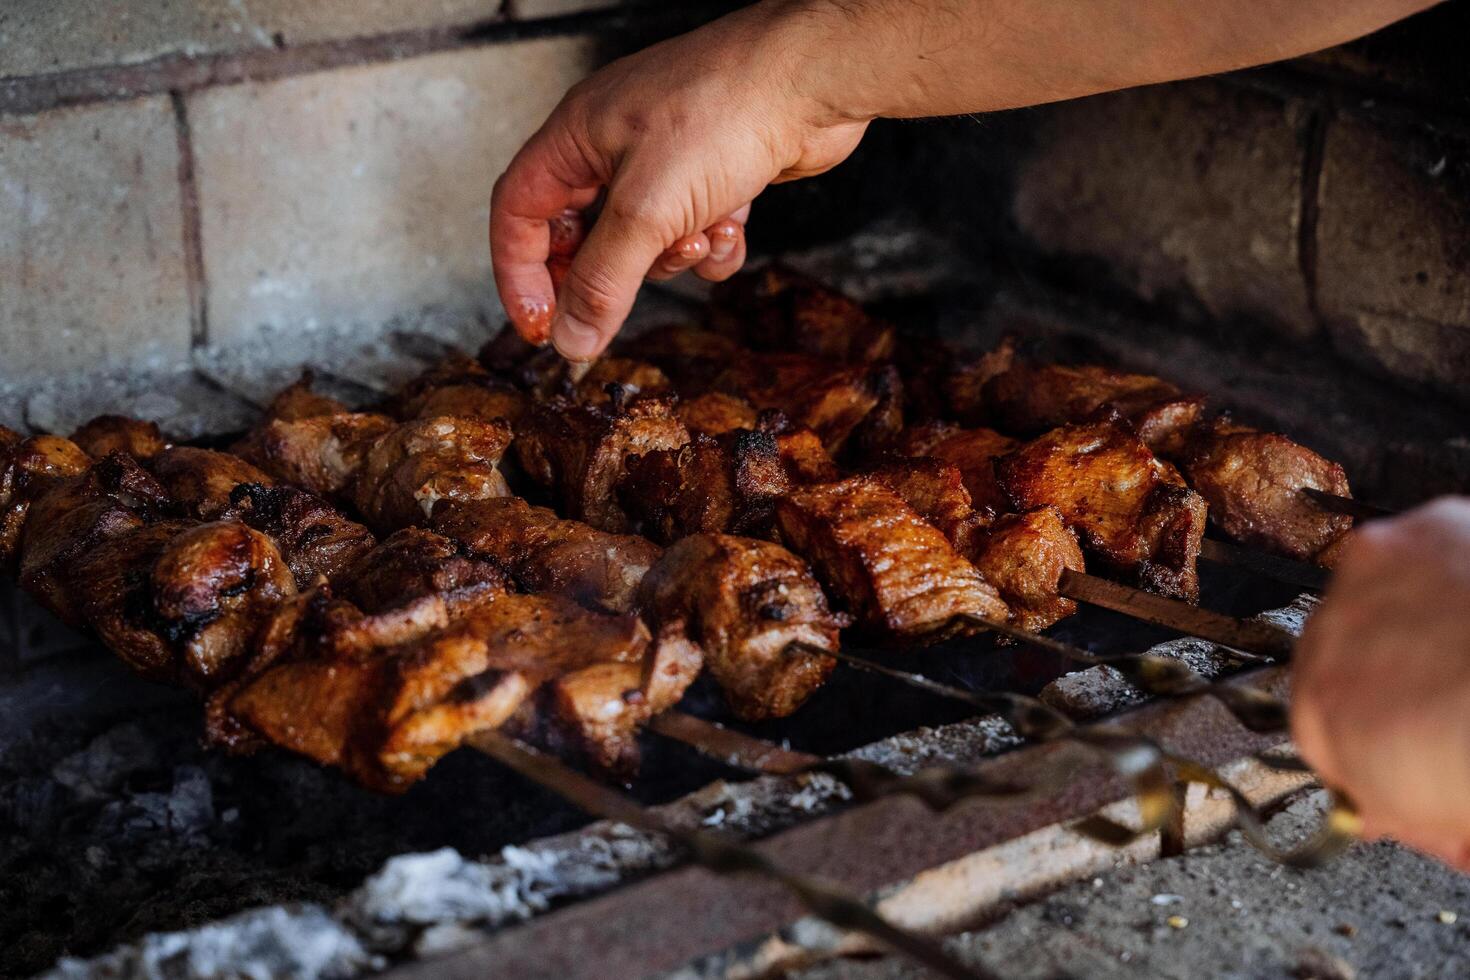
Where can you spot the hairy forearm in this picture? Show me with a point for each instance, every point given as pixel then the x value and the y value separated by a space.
pixel 864 59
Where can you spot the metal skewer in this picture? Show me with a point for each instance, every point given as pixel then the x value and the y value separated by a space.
pixel 1298 573
pixel 719 854
pixel 1350 506
pixel 1239 634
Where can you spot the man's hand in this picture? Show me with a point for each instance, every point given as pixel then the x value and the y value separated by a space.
pixel 682 137
pixel 1381 679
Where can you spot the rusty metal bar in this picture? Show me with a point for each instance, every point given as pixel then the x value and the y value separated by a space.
pixel 1239 634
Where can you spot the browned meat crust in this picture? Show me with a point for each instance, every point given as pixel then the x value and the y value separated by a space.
pixel 414 564
pixel 747 601
pixel 458 385
pixel 298 401
pixel 1029 399
pixel 897 573
pixel 316 453
pixel 580 452
pixel 203 481
pixel 830 399
pixel 729 484
pixel 1130 509
pixel 385 715
pixel 317 541
pixel 545 553
pixel 777 308
pixel 612 382
pixel 973 451
pixel 715 413
pixel 416 464
pixel 1253 480
pixel 936 491
pixel 1023 556
pixel 117 433
pixel 27 466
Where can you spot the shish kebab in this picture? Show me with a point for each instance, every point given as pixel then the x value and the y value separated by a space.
pixel 382 506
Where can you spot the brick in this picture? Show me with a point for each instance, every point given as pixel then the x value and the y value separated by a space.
pixel 1393 245
pixel 44 36
pixel 92 269
pixel 356 195
pixel 1190 189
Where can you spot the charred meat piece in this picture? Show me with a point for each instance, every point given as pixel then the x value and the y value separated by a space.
pixel 506 351
pixel 117 433
pixel 385 715
pixel 962 384
pixel 545 553
pixel 747 602
pixel 1253 482
pixel 416 464
pixel 317 540
pixel 320 453
pixel 832 400
pixel 944 383
pixel 1029 399
pixel 973 451
pixel 779 309
pixel 71 516
pixel 805 458
pixel 728 484
pixel 612 382
pixel 298 401
pixel 414 563
pixel 936 491
pixel 897 574
pixel 581 452
pixel 201 481
pixel 27 468
pixel 1023 556
pixel 715 413
pixel 690 356
pixel 1130 509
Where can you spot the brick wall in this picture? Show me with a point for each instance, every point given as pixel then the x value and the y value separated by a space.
pixel 179 178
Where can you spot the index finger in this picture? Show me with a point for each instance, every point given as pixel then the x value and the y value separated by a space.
pixel 540 184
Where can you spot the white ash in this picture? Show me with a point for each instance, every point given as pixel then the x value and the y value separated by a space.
pixel 1099 691
pixel 99 770
pixel 279 943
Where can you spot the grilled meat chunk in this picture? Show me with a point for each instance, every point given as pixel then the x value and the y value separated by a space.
pixel 727 484
pixel 201 481
pixel 117 433
pixel 942 382
pixel 1253 480
pixel 298 401
pixel 689 356
pixel 612 382
pixel 70 516
pixel 210 588
pixel 779 309
pixel 715 413
pixel 580 452
pixel 936 491
pixel 805 458
pixel 1023 556
pixel 597 711
pixel 832 400
pixel 973 451
pixel 747 602
pixel 316 540
pixel 27 467
pixel 1029 399
pixel 459 385
pixel 320 453
pixel 386 714
pixel 545 553
pixel 414 563
pixel 898 575
pixel 413 466
pixel 1130 509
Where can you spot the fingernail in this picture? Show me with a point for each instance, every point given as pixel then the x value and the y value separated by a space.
pixel 573 339
pixel 692 250
pixel 722 241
